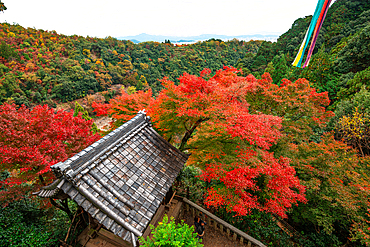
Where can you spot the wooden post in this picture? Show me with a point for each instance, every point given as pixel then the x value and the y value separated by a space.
pixel 187 207
pixel 208 221
pixel 241 240
pixel 221 229
pixel 235 236
pixel 249 244
pixel 193 212
pixel 181 214
pixel 228 233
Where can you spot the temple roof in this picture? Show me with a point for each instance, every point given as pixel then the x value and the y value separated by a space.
pixel 122 178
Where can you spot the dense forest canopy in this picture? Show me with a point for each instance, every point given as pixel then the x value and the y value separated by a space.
pixel 265 137
pixel 40 66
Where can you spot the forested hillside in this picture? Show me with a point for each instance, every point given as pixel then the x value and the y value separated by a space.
pixel 39 66
pixel 273 142
pixel 341 52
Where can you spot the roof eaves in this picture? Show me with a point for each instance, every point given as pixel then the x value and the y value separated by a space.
pixel 84 159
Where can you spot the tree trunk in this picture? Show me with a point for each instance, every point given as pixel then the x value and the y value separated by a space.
pixel 64 207
pixel 188 133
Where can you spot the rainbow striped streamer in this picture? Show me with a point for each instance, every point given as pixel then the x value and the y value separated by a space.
pixel 316 33
pixel 313 30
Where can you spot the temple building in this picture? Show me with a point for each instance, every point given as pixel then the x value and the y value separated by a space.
pixel 120 180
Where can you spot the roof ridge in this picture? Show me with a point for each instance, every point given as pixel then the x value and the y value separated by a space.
pixel 83 159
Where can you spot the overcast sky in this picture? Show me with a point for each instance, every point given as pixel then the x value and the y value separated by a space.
pixel 158 17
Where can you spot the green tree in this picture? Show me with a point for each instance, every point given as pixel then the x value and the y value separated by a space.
pixel 245 64
pixel 291 40
pixel 85 115
pixel 320 72
pixel 8 52
pixel 351 121
pixel 170 234
pixel 337 182
pixel 354 56
pixel 280 69
pixel 259 64
pixel 270 68
pixel 9 85
pixel 339 17
pixel 360 80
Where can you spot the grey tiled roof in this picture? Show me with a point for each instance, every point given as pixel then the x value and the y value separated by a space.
pixel 122 178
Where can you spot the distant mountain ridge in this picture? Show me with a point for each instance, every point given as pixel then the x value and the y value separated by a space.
pixel 143 37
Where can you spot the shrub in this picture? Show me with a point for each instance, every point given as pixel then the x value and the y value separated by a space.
pixel 168 234
pixel 23 224
pixel 188 178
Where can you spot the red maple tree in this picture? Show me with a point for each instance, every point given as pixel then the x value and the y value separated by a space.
pixel 33 140
pixel 209 116
pixel 124 107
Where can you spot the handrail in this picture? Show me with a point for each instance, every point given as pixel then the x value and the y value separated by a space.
pixel 225 224
pixel 291 230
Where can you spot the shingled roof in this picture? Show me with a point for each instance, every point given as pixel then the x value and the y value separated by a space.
pixel 120 179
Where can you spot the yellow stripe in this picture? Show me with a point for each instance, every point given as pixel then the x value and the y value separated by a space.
pixel 300 52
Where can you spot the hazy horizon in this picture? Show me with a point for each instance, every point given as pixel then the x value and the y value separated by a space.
pixel 180 18
pixel 144 37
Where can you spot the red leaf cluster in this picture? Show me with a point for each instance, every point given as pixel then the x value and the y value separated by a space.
pixel 210 116
pixel 33 140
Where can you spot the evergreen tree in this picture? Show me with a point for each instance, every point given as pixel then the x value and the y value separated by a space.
pixel 321 74
pixel 280 69
pixel 85 115
pixel 270 68
pixel 259 64
pixel 360 80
